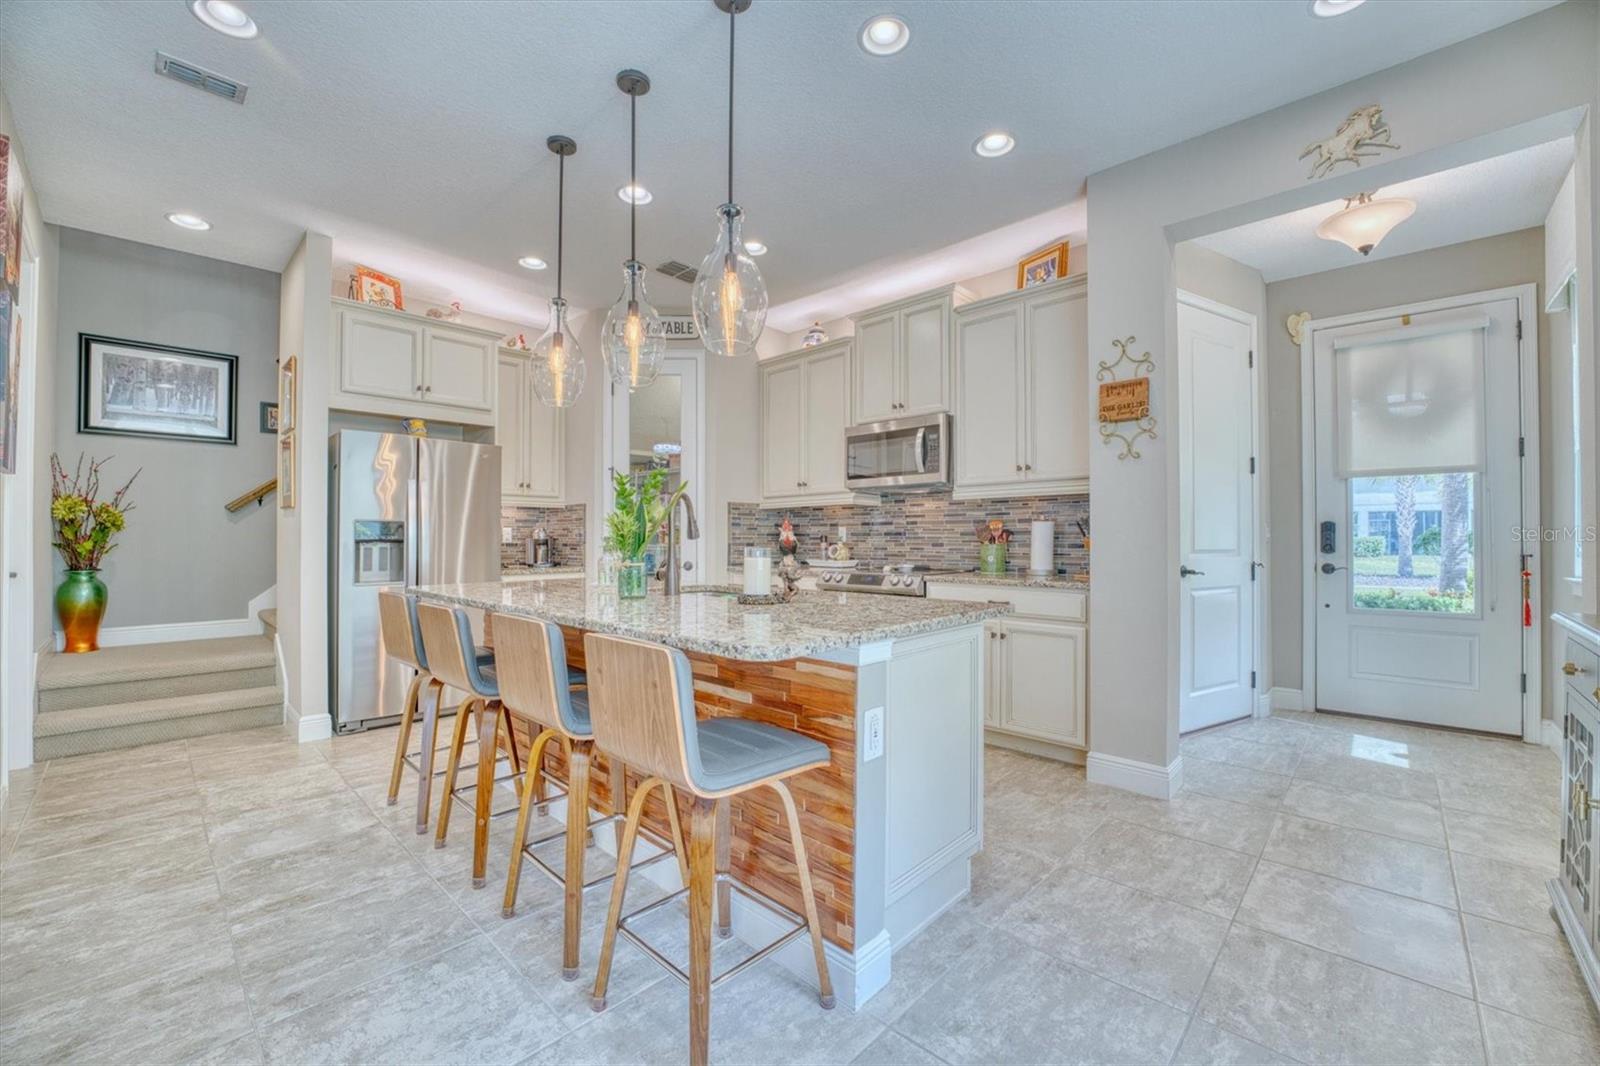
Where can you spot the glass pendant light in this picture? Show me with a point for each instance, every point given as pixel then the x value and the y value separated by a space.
pixel 1362 222
pixel 631 339
pixel 557 364
pixel 730 299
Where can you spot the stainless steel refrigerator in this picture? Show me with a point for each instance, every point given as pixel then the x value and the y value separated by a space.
pixel 401 511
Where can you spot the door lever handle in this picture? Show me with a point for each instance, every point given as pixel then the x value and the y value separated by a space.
pixel 1328 568
pixel 1184 571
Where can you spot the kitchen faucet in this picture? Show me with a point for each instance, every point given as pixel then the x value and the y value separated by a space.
pixel 673 569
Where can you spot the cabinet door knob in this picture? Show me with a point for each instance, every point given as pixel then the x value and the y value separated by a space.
pixel 1570 669
pixel 427 388
pixel 1027 466
pixel 1002 635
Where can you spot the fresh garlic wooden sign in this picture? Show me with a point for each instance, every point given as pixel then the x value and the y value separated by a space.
pixel 1125 401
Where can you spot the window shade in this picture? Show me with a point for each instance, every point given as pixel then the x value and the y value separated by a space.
pixel 1411 403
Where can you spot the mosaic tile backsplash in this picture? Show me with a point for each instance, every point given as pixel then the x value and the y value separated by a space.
pixel 564 524
pixel 919 527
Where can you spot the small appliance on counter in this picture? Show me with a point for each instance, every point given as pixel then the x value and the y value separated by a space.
pixel 536 550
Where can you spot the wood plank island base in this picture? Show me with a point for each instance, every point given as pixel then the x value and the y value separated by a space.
pixel 892 686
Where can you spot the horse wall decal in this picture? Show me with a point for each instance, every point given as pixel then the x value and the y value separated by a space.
pixel 1364 129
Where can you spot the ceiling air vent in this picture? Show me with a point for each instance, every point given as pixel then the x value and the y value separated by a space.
pixel 674 269
pixel 200 78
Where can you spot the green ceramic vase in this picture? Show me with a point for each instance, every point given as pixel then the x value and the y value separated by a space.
pixel 80 604
pixel 992 558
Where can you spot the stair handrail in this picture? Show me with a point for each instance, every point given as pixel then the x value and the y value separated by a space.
pixel 255 495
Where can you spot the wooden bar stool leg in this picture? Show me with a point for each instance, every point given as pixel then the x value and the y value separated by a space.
pixel 619 793
pixel 724 855
pixel 577 836
pixel 403 739
pixel 488 748
pixel 677 833
pixel 619 889
pixel 457 740
pixel 432 695
pixel 702 881
pixel 524 816
pixel 806 894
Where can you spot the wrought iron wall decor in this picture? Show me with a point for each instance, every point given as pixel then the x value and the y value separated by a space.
pixel 1143 424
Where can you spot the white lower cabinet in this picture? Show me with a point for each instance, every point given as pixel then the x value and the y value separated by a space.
pixel 1037 664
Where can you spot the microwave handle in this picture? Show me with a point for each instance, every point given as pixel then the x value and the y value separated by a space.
pixel 922 450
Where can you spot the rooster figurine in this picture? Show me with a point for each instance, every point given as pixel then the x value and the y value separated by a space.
pixel 786 542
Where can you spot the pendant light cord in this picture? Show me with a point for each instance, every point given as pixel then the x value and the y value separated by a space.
pixel 731 17
pixel 633 176
pixel 561 211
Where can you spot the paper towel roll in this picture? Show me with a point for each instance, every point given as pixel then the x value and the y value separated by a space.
pixel 1042 549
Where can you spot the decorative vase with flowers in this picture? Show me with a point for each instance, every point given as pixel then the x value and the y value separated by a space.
pixel 85 527
pixel 639 512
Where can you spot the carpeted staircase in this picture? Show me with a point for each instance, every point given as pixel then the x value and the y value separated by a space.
pixel 147 693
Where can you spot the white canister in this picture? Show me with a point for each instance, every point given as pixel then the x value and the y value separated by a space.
pixel 758 572
pixel 1042 549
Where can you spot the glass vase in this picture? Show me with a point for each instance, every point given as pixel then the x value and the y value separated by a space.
pixel 609 561
pixel 80 604
pixel 630 580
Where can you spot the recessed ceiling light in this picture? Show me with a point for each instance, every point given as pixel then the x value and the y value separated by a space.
pixel 634 194
pixel 1327 9
pixel 188 221
pixel 755 247
pixel 532 262
pixel 225 17
pixel 884 35
pixel 994 144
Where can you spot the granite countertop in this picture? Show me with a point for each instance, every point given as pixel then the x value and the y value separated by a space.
pixel 540 571
pixel 1015 578
pixel 709 620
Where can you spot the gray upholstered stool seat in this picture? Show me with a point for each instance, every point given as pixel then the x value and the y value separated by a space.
pixel 731 752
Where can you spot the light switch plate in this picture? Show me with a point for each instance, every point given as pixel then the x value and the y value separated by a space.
pixel 872 735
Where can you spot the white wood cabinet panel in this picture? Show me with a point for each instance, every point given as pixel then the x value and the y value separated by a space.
pixel 1056 328
pixel 547 453
pixel 511 426
pixel 1044 678
pixel 1066 605
pixel 781 404
pixel 924 373
pixel 877 344
pixel 459 369
pixel 989 369
pixel 827 416
pixel 380 356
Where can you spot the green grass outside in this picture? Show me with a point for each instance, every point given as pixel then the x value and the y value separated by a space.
pixel 1384 565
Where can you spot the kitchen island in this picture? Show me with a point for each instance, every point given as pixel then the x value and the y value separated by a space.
pixel 892 685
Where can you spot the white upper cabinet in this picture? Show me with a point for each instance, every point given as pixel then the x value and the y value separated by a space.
pixel 530 435
pixel 1022 393
pixel 902 357
pixel 805 410
pixel 391 363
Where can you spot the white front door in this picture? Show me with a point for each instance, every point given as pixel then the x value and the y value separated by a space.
pixel 1216 523
pixel 1417 586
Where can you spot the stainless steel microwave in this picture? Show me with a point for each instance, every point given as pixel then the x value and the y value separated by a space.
pixel 901 453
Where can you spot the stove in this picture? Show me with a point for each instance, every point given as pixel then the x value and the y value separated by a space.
pixel 891 580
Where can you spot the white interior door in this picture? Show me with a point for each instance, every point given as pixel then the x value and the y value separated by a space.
pixel 1418 608
pixel 662 426
pixel 1216 528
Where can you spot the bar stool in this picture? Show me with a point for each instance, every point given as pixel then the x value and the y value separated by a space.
pixel 451 653
pixel 641 702
pixel 402 642
pixel 535 684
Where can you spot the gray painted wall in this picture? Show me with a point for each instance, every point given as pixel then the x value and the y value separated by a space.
pixel 1474 266
pixel 182 558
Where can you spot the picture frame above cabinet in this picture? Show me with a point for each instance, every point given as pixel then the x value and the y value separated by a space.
pixel 902 362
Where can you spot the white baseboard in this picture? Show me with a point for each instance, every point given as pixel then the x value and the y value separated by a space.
pixel 309 727
pixel 1550 735
pixel 1264 704
pixel 1147 779
pixel 123 636
pixel 1286 699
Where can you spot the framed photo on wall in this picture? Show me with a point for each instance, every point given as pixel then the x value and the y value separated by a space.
pixel 1041 267
pixel 288 372
pixel 373 287
pixel 135 389
pixel 269 417
pixel 286 472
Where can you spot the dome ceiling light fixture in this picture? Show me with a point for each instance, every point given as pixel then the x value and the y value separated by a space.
pixel 1364 222
pixel 730 297
pixel 632 340
pixel 557 365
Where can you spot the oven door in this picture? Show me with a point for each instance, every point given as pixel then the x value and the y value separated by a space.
pixel 902 453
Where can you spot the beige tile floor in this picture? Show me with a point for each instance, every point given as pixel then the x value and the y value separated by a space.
pixel 1324 890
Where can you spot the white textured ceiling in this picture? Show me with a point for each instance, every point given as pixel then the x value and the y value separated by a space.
pixel 413 133
pixel 1498 195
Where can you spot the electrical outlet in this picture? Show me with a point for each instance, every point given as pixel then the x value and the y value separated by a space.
pixel 506 534
pixel 872 735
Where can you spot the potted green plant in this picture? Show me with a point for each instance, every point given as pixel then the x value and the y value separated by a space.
pixel 639 510
pixel 85 527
